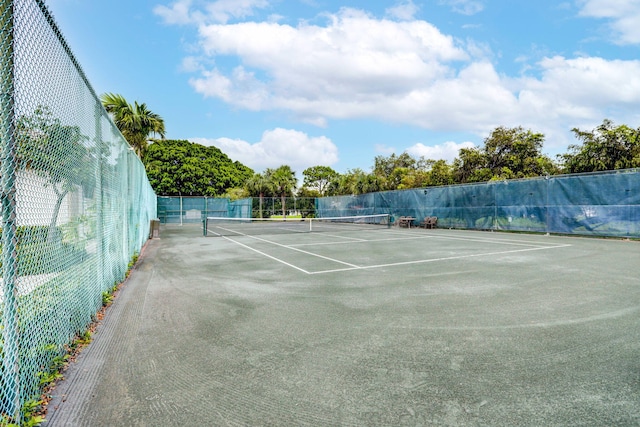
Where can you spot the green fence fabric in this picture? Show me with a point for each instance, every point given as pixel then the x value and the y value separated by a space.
pixel 194 209
pixel 76 202
pixel 178 210
pixel 597 204
pixel 293 206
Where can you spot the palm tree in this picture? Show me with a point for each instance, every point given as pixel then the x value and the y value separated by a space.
pixel 284 181
pixel 136 123
pixel 259 184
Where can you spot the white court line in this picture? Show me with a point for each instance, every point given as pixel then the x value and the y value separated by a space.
pixel 424 261
pixel 438 234
pixel 389 239
pixel 239 233
pixel 345 238
pixel 352 266
pixel 506 242
pixel 267 255
pixel 432 236
pixel 532 247
pixel 499 241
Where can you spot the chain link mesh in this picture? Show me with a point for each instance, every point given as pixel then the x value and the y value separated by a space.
pixel 194 209
pixel 76 202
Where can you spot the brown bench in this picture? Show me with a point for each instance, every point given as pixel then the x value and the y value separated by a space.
pixel 429 222
pixel 405 221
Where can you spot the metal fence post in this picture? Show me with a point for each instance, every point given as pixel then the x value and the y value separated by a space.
pixel 10 359
pixel 100 238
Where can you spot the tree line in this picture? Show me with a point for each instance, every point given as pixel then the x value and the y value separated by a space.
pixel 507 153
pixel 185 168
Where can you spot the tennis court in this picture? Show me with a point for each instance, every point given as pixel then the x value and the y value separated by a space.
pixel 366 327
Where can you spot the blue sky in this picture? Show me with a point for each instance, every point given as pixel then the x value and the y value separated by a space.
pixel 323 82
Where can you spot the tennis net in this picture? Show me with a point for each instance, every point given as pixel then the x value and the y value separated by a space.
pixel 222 226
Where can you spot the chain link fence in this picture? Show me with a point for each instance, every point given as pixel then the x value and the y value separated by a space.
pixel 596 204
pixel 194 209
pixel 269 207
pixel 76 202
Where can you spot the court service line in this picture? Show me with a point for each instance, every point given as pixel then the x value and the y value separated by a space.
pixel 347 239
pixel 432 236
pixel 266 255
pixel 351 266
pixel 424 261
pixel 499 241
pixel 389 239
pixel 475 238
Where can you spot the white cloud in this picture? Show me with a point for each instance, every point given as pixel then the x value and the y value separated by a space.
pixel 191 64
pixel 447 151
pixel 358 66
pixel 224 10
pixel 580 89
pixel 465 7
pixel 607 8
pixel 221 11
pixel 624 17
pixel 241 88
pixel 384 149
pixel 278 147
pixel 178 13
pixel 349 68
pixel 578 92
pixel 404 11
pixel 590 81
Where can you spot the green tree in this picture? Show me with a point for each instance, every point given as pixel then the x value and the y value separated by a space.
pixel 283 181
pixel 318 178
pixel 306 201
pixel 507 153
pixel 414 179
pixel 440 173
pixel 429 173
pixel 607 147
pixel 337 186
pixel 56 152
pixel 178 167
pixel 399 179
pixel 514 153
pixel 354 181
pixel 384 166
pixel 366 183
pixel 236 193
pixel 309 193
pixel 470 166
pixel 390 171
pixel 136 122
pixel 259 185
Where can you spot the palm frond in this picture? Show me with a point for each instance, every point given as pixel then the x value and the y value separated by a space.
pixel 136 122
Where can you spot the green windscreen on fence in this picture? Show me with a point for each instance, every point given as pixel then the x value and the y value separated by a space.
pixel 194 209
pixel 76 202
pixel 596 204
